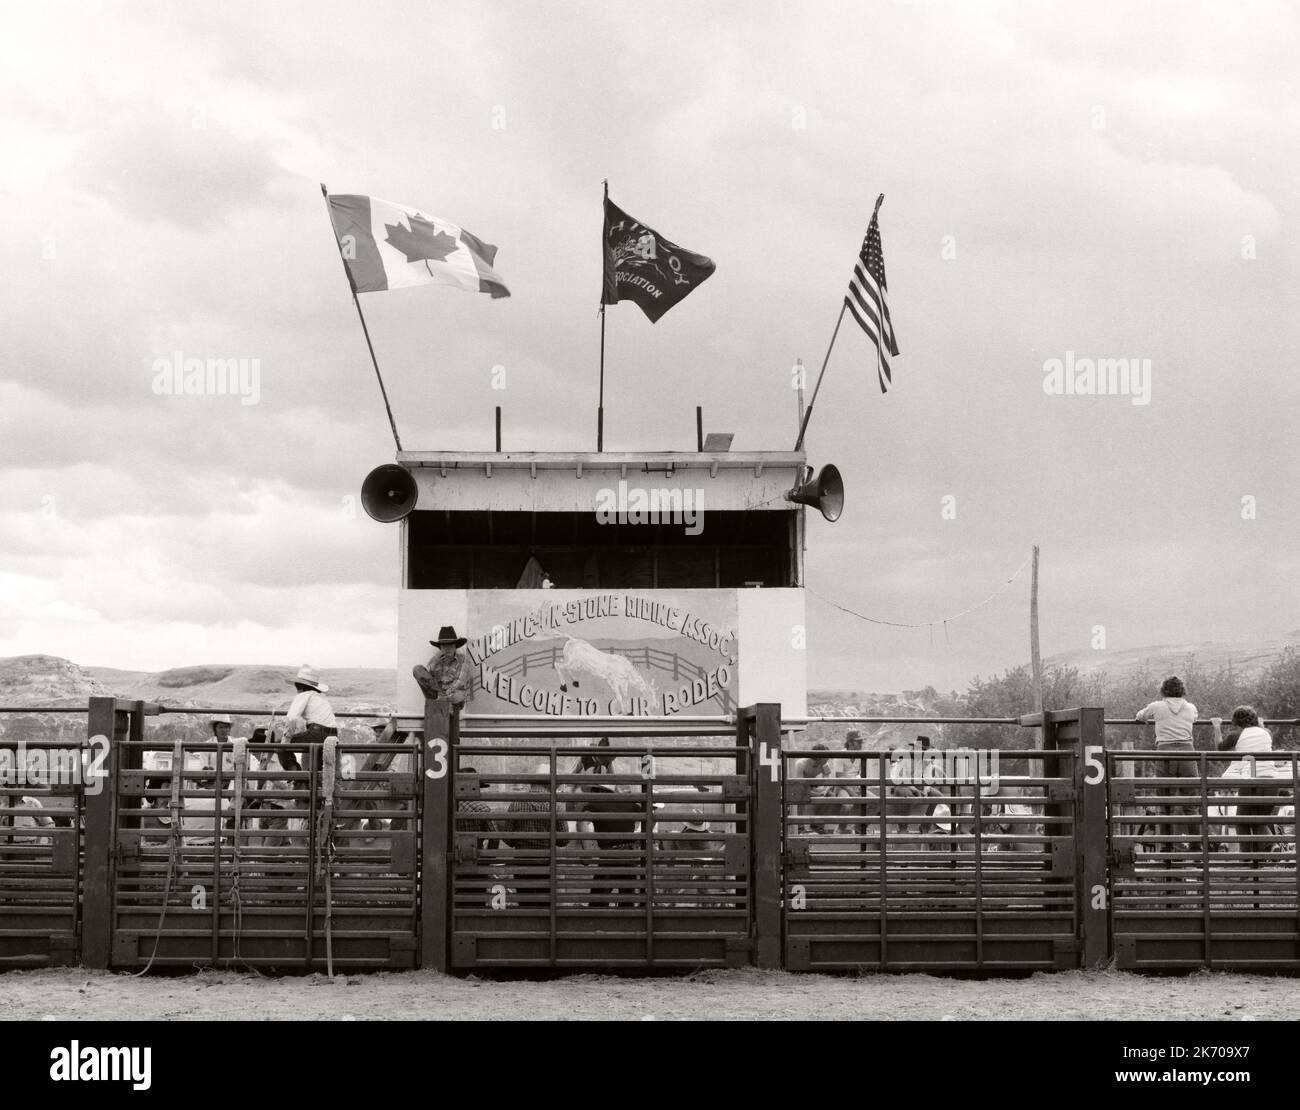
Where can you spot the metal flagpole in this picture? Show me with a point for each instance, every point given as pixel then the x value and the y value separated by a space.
pixel 839 320
pixel 600 409
pixel 808 411
pixel 364 330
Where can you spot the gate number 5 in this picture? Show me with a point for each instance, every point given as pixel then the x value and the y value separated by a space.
pixel 1095 769
pixel 438 747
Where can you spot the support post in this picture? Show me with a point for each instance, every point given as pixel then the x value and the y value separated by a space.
pixel 435 824
pixel 100 838
pixel 1090 837
pixel 498 429
pixel 699 427
pixel 765 874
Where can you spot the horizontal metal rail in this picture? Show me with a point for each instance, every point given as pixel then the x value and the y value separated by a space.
pixel 44 709
pixel 1280 722
pixel 877 720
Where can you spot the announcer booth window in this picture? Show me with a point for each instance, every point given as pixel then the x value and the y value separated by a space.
pixel 465 550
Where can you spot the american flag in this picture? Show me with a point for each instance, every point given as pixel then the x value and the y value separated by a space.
pixel 866 299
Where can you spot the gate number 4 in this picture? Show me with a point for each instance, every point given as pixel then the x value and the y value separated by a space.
pixel 771 759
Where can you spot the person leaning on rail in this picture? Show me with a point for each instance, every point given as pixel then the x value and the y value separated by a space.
pixel 1247 739
pixel 1173 715
pixel 310 717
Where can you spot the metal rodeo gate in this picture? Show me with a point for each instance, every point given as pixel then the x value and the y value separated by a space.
pixel 1203 864
pixel 564 852
pixel 292 856
pixel 41 801
pixel 963 869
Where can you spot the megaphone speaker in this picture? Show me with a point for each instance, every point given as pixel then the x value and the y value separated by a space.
pixel 825 492
pixel 389 493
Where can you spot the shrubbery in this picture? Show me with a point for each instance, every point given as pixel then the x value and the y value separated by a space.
pixel 1274 692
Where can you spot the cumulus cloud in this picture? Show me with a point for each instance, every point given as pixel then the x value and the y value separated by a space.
pixel 1108 180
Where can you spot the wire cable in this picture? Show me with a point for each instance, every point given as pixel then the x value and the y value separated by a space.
pixel 924 624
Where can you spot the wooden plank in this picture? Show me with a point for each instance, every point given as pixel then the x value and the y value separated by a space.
pixel 1090 834
pixel 435 878
pixel 100 804
pixel 765 831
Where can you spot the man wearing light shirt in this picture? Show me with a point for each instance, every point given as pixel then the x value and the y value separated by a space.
pixel 310 716
pixel 1173 715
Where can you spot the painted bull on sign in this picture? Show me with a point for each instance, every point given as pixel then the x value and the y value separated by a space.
pixel 616 671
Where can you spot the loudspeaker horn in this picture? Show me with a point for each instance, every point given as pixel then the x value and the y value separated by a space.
pixel 825 492
pixel 389 493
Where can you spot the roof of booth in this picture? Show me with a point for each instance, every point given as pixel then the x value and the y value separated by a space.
pixel 631 461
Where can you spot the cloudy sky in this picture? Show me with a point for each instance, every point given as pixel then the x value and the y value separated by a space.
pixel 1112 180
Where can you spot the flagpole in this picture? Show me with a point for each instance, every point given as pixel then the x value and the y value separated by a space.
pixel 600 405
pixel 839 320
pixel 808 411
pixel 364 330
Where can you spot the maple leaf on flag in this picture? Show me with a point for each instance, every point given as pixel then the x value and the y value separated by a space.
pixel 422 240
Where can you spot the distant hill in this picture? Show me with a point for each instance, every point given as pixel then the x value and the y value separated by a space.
pixel 251 686
pixel 47 680
pixel 1248 657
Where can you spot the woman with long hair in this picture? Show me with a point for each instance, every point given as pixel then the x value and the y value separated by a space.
pixel 1173 715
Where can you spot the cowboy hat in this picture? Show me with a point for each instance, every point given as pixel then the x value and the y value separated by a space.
pixel 307 676
pixel 447 635
pixel 220 719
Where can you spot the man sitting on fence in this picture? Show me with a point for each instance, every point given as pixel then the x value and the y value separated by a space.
pixel 448 674
pixel 816 784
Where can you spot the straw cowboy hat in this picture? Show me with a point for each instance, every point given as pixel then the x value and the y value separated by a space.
pixel 307 676
pixel 446 636
pixel 220 719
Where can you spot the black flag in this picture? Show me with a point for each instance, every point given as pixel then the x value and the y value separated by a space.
pixel 642 266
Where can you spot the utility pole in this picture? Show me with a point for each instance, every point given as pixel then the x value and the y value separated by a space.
pixel 1035 658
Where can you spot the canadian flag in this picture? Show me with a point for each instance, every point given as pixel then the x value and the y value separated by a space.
pixel 390 246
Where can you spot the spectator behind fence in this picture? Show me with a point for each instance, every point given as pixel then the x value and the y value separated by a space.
pixel 614 821
pixel 1173 715
pixel 476 815
pixel 854 766
pixel 596 762
pixel 1249 738
pixel 818 769
pixel 537 800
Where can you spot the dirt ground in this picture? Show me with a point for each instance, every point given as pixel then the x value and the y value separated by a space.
pixel 742 994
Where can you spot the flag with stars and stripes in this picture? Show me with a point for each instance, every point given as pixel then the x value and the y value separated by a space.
pixel 867 300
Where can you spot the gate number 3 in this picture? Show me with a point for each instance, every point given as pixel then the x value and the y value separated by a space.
pixel 438 750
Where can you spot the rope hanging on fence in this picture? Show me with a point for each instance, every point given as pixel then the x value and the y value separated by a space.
pixel 176 809
pixel 925 624
pixel 325 847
